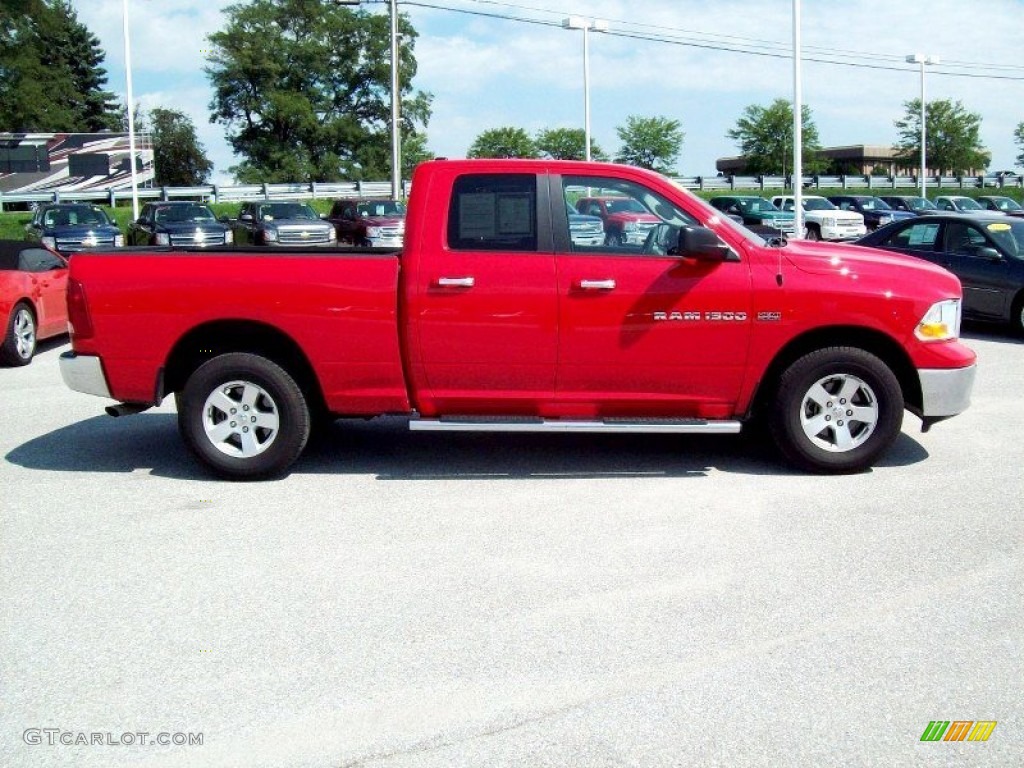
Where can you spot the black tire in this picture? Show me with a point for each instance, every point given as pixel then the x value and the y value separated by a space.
pixel 1017 316
pixel 852 395
pixel 614 239
pixel 19 345
pixel 811 232
pixel 249 387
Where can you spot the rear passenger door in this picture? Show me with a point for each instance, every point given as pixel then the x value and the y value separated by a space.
pixel 484 322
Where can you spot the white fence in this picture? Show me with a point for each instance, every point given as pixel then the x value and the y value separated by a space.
pixel 326 190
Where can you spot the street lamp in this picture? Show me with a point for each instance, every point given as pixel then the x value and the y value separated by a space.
pixel 798 127
pixel 597 25
pixel 131 117
pixel 920 58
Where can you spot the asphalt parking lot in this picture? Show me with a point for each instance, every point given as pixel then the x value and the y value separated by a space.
pixel 418 599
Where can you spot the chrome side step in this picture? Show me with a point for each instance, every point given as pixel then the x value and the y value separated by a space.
pixel 620 426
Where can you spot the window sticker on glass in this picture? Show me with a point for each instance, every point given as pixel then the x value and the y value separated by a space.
pixel 476 215
pixel 514 215
pixel 923 235
pixel 998 227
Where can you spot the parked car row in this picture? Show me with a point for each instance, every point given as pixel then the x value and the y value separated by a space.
pixel 70 227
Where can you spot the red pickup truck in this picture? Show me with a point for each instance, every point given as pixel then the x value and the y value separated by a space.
pixel 493 318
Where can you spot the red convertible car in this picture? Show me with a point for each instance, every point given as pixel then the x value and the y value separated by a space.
pixel 33 306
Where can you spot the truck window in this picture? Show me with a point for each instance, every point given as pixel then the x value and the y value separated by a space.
pixel 493 212
pixel 632 213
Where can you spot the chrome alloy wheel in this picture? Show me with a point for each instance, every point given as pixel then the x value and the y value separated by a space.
pixel 24 333
pixel 240 419
pixel 839 413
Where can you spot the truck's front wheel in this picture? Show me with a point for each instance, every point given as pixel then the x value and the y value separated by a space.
pixel 836 410
pixel 243 416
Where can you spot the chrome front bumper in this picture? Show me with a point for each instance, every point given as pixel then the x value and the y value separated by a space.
pixel 945 391
pixel 84 373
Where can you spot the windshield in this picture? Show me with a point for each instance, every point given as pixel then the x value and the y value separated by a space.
pixel 873 204
pixel 182 213
pixel 817 204
pixel 920 204
pixel 625 205
pixel 1006 204
pixel 967 204
pixel 75 215
pixel 381 208
pixel 757 205
pixel 287 211
pixel 1010 236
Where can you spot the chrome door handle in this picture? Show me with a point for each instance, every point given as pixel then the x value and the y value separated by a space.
pixel 597 285
pixel 456 282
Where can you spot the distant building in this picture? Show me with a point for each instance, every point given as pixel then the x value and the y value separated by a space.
pixel 852 160
pixel 47 162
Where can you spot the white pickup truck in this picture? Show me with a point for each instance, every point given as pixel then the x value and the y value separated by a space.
pixel 823 220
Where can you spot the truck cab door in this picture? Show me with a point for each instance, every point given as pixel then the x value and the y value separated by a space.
pixel 483 313
pixel 643 332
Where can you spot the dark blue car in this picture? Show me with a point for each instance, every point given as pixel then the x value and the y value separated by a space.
pixel 876 212
pixel 70 227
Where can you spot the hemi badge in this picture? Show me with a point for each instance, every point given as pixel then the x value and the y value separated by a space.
pixel 769 317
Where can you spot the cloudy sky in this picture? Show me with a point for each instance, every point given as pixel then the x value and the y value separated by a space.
pixel 491 64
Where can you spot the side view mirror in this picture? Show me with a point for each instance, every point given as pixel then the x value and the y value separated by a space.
pixel 702 244
pixel 246 217
pixel 989 253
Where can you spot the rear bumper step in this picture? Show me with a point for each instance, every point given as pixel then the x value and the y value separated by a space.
pixel 621 426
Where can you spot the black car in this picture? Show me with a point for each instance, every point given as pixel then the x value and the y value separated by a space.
pixel 909 203
pixel 985 250
pixel 70 227
pixel 181 224
pixel 876 212
pixel 1006 205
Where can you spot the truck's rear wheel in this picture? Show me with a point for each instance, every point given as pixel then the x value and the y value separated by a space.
pixel 243 416
pixel 836 410
pixel 811 232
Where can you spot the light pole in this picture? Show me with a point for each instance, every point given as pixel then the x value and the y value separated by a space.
pixel 131 109
pixel 798 126
pixel 920 58
pixel 598 25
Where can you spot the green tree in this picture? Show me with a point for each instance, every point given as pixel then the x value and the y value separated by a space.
pixel 953 137
pixel 302 88
pixel 764 136
pixel 650 142
pixel 51 70
pixel 566 144
pixel 1018 137
pixel 178 157
pixel 503 142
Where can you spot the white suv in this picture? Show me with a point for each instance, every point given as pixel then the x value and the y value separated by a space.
pixel 823 221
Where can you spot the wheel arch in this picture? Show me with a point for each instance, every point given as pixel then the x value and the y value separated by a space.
pixel 884 347
pixel 209 340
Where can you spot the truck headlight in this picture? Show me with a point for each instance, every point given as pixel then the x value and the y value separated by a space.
pixel 373 232
pixel 119 241
pixel 629 226
pixel 270 235
pixel 883 220
pixel 229 237
pixel 49 242
pixel 941 322
pixel 828 221
pixel 162 238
